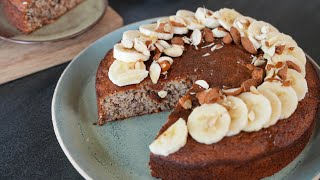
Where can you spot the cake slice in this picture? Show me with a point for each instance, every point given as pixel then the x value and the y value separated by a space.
pixel 29 15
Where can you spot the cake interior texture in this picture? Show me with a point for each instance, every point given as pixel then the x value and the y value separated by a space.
pixel 30 15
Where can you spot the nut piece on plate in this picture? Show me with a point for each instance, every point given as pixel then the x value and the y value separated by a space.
pixel 232 91
pixel 185 102
pixel 174 51
pixel 209 96
pixel 202 83
pixel 162 94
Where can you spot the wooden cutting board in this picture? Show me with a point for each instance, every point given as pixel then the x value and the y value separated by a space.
pixel 19 60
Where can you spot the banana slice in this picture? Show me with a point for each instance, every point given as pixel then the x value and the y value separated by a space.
pixel 128 55
pixel 150 30
pixel 185 13
pixel 206 17
pixel 275 105
pixel 258 30
pixel 278 38
pixel 242 24
pixel 283 58
pixel 122 73
pixel 131 35
pixel 171 140
pixel 296 52
pixel 238 112
pixel 259 110
pixel 208 123
pixel 190 19
pixel 178 24
pixel 227 17
pixel 298 83
pixel 286 94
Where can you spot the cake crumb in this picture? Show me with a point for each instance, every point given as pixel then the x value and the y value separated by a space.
pixel 207 54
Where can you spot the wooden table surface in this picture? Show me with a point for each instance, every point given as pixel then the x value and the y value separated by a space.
pixel 28 146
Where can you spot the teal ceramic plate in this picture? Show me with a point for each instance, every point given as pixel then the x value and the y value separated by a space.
pixel 119 150
pixel 73 23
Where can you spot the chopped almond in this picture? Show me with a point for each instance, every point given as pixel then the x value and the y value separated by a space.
pixel 157 56
pixel 185 102
pixel 227 39
pixel 269 67
pixel 248 46
pixel 248 83
pixel 177 41
pixel 208 35
pixel 165 66
pixel 235 34
pixel 233 91
pixel 209 96
pixel 257 74
pixel 250 66
pixel 294 66
pixel 282 73
pixel 286 83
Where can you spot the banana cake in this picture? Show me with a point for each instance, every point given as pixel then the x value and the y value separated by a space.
pixel 29 15
pixel 244 96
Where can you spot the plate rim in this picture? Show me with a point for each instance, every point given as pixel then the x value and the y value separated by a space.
pixel 75 164
pixel 19 41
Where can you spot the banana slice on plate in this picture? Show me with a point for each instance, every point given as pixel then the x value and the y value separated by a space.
pixel 208 123
pixel 298 65
pixel 128 38
pixel 179 26
pixel 171 140
pixel 190 19
pixel 122 73
pixel 238 112
pixel 275 106
pixel 207 17
pixel 286 94
pixel 296 52
pixel 278 38
pixel 227 17
pixel 259 110
pixel 150 30
pixel 128 55
pixel 298 83
pixel 242 24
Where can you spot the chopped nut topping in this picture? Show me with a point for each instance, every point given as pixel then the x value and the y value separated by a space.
pixel 185 102
pixel 162 94
pixel 235 34
pixel 165 66
pixel 280 49
pixel 286 83
pixel 257 74
pixel 233 91
pixel 208 35
pixel 282 73
pixel 209 96
pixel 291 48
pixel 177 41
pixel 157 56
pixel 248 46
pixel 294 66
pixel 269 67
pixel 279 65
pixel 248 83
pixel 250 66
pixel 164 28
pixel 227 39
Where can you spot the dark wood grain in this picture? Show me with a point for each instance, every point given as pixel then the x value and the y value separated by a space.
pixel 28 146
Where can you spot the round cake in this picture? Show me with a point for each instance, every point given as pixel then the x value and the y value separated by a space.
pixel 244 96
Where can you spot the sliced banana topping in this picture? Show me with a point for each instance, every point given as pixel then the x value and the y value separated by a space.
pixel 298 83
pixel 259 110
pixel 258 31
pixel 207 17
pixel 286 94
pixel 275 105
pixel 128 55
pixel 190 19
pixel 122 73
pixel 185 13
pixel 171 140
pixel 238 112
pixel 242 24
pixel 227 17
pixel 297 65
pixel 208 123
pixel 151 30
